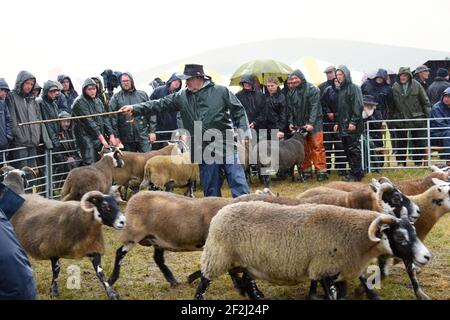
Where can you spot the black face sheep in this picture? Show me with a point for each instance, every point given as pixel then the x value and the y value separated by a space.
pixel 408 187
pixel 390 194
pixel 285 244
pixel 50 229
pixel 97 176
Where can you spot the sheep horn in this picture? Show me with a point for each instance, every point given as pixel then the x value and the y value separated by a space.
pixel 29 170
pixel 385 179
pixel 375 224
pixel 403 213
pixel 86 203
pixel 383 188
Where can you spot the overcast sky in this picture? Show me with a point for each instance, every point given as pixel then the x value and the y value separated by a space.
pixel 84 37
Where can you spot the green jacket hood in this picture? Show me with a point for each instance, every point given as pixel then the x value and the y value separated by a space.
pixel 299 74
pixel 405 70
pixel 87 82
pixel 21 78
pixel 100 83
pixel 346 71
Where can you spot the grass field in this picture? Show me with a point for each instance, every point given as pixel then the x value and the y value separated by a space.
pixel 141 278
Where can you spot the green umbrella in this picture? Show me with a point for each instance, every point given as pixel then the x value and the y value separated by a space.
pixel 262 69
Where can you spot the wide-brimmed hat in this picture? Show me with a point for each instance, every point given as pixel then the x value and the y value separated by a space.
pixel 192 70
pixel 369 99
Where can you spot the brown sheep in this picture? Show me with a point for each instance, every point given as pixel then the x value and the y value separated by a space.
pixel 51 229
pixel 132 172
pixel 97 176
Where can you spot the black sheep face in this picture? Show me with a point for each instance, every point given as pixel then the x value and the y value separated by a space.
pixel 107 212
pixel 118 159
pixel 405 244
pixel 396 199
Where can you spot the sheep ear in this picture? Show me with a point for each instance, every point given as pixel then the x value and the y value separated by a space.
pixel 115 191
pixel 436 169
pixel 437 181
pixel 29 173
pixel 375 185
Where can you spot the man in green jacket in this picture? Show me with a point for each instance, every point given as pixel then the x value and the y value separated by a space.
pixel 91 133
pixel 410 102
pixel 305 111
pixel 208 112
pixel 134 133
pixel 349 121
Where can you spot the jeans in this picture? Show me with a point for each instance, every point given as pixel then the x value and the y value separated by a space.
pixel 211 178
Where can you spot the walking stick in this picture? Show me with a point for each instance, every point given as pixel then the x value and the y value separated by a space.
pixel 73 118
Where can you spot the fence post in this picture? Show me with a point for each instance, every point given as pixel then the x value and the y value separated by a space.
pixel 429 142
pixel 369 166
pixel 49 179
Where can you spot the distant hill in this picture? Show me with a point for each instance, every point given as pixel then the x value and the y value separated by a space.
pixel 360 56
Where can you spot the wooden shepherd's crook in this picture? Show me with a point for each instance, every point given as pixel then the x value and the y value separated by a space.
pixel 72 118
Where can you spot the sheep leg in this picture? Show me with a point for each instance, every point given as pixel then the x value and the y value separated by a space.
pixel 420 295
pixel 190 191
pixel 312 295
pixel 382 263
pixel 96 259
pixel 251 288
pixel 169 186
pixel 194 276
pixel 120 254
pixel 158 256
pixel 56 267
pixel 329 288
pixel 370 293
pixel 238 283
pixel 201 289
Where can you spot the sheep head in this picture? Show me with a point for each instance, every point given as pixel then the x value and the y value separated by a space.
pixel 441 194
pixel 105 209
pixel 115 154
pixel 381 223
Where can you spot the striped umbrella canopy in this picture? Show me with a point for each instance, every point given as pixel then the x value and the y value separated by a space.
pixel 262 69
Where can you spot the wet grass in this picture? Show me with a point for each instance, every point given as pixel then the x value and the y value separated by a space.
pixel 141 278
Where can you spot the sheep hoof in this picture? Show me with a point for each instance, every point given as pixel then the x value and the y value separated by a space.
pixel 174 284
pixel 54 292
pixel 113 295
pixel 314 297
pixel 422 295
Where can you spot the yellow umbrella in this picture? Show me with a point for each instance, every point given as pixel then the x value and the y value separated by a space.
pixel 262 69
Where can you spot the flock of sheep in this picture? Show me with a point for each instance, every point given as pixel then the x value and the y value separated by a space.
pixel 327 234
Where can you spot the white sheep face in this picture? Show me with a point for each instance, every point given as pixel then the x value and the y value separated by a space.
pixel 443 190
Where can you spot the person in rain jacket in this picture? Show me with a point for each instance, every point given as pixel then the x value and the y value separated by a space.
pixel 438 86
pixel 305 111
pixel 380 90
pixel 275 109
pixel 165 121
pixel 251 99
pixel 91 133
pixel 23 108
pixel 207 110
pixel 410 102
pixel 68 89
pixel 442 110
pixel 16 276
pixel 332 140
pixel 349 121
pixel 5 120
pixel 101 93
pixel 49 110
pixel 134 134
